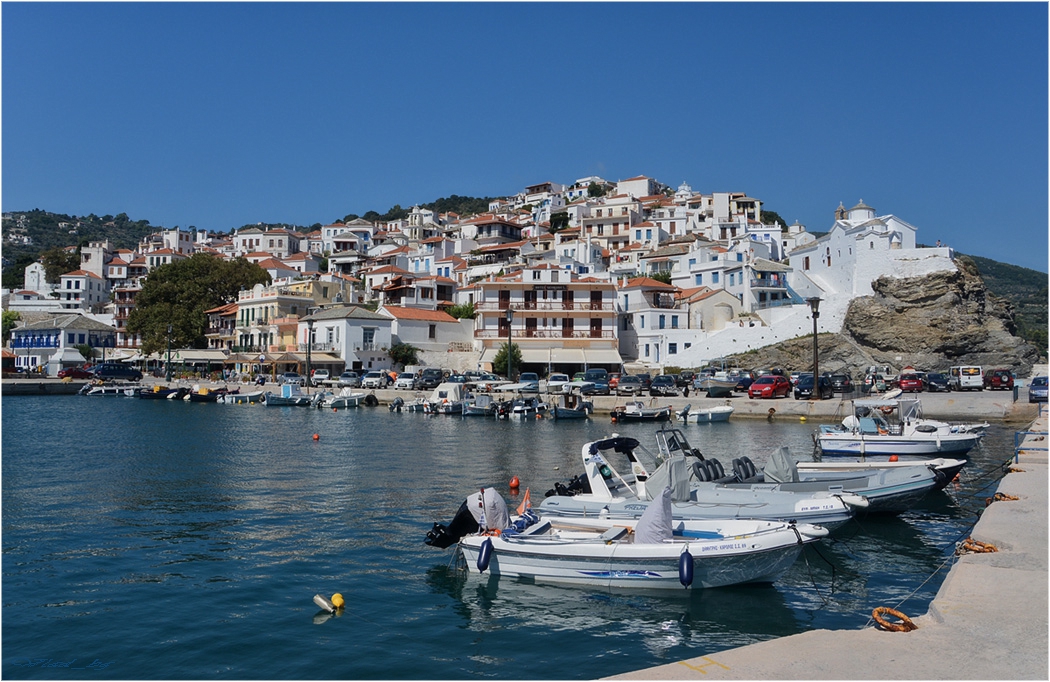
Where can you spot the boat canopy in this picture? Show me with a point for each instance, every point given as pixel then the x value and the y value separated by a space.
pixel 654 526
pixel 448 390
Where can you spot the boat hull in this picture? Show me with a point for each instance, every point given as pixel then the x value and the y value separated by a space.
pixel 709 415
pixel 716 561
pixel 855 445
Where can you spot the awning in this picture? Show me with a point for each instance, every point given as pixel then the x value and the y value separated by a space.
pixel 489 356
pixel 573 356
pixel 534 355
pixel 193 355
pixel 601 356
pixel 68 355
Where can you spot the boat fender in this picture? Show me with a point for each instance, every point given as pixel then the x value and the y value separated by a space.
pixel 484 555
pixel 685 568
pixel 329 605
pixel 905 624
pixel 370 400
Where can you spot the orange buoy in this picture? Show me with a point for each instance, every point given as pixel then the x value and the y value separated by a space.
pixel 893 458
pixel 514 482
pixel 316 437
pixel 335 409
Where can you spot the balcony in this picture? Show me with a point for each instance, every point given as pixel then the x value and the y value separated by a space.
pixel 486 306
pixel 548 333
pixel 768 283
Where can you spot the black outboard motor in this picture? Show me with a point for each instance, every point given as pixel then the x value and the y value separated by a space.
pixel 578 484
pixel 398 403
pixel 463 523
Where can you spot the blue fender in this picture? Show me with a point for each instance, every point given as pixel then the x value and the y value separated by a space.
pixel 485 555
pixel 685 568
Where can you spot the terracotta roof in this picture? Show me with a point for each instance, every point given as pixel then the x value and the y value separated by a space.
pixel 401 313
pixel 81 273
pixel 384 269
pixel 649 283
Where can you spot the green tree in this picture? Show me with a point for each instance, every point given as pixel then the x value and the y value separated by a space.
pixel 58 261
pixel 463 311
pixel 9 319
pixel 662 276
pixel 595 190
pixel 770 217
pixel 85 350
pixel 499 363
pixel 404 354
pixel 177 294
pixel 15 274
pixel 559 221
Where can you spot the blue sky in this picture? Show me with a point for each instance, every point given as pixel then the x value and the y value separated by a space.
pixel 219 115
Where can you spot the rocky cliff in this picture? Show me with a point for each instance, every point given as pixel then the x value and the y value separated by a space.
pixel 930 322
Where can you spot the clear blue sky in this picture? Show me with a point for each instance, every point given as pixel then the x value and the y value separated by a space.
pixel 220 115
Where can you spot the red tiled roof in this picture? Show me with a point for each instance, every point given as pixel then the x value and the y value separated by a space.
pixel 401 313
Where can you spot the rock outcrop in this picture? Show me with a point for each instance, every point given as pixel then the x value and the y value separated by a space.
pixel 930 322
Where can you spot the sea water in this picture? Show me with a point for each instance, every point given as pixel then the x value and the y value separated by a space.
pixel 166 539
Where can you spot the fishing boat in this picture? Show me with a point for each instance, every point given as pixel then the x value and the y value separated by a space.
pixel 159 392
pixel 636 411
pixel 447 398
pixel 203 394
pixel 291 395
pixel 717 386
pixel 571 406
pixel 480 406
pixel 127 390
pixel 603 491
pixel 652 552
pixel 236 398
pixel 704 415
pixel 895 426
pixel 521 407
pixel 344 398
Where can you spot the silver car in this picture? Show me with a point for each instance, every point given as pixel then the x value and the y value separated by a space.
pixel 350 379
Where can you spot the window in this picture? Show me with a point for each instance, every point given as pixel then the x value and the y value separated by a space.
pixel 672 348
pixel 433 331
pixel 732 279
pixel 699 279
pixel 80 338
pixel 647 350
pixel 71 338
pixel 714 278
pixel 674 322
pixel 535 274
pixel 740 256
pixel 623 211
pixel 688 345
pixel 638 235
pixel 648 234
pixel 76 285
pixel 641 323
pixel 692 262
pixel 662 318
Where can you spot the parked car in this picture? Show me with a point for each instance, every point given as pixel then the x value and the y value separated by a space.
pixel 935 381
pixel 429 379
pixel 875 382
pixel 75 373
pixel 406 381
pixel 291 378
pixel 770 386
pixel 804 387
pixel 600 379
pixel 531 382
pixel 614 380
pixel 350 379
pixel 629 385
pixel 744 380
pixel 998 378
pixel 115 370
pixel 663 385
pixel 685 378
pixel 320 376
pixel 375 379
pixel 841 383
pixel 556 382
pixel 647 380
pixel 1037 390
pixel 910 383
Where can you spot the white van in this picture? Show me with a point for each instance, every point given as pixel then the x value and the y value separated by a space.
pixel 964 378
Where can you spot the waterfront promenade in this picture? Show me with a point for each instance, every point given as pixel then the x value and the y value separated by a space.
pixel 987 622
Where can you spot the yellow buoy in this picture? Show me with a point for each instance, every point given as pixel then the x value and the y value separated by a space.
pixel 337 600
pixel 802 418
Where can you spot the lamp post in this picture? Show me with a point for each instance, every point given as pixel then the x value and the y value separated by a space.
pixel 814 305
pixel 309 342
pixel 510 334
pixel 167 365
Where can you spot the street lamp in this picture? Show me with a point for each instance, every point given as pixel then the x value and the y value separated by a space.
pixel 510 334
pixel 167 365
pixel 814 304
pixel 309 342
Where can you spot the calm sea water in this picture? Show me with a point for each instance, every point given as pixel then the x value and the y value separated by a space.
pixel 154 539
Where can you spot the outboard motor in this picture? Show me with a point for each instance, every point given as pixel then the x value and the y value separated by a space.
pixel 463 523
pixel 398 403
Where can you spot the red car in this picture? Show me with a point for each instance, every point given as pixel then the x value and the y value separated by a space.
pixel 769 386
pixel 75 373
pixel 998 378
pixel 910 382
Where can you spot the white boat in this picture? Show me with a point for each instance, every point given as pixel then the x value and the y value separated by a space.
pixel 895 427
pixel 345 398
pixel 947 467
pixel 447 398
pixel 636 411
pixel 652 552
pixel 718 386
pixel 526 408
pixel 480 406
pixel 603 491
pixel 704 415
pixel 126 390
pixel 241 398
pixel 291 395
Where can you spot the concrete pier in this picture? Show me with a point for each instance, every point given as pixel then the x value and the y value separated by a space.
pixel 987 622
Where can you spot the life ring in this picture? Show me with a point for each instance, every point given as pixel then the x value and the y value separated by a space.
pixel 886 410
pixel 883 432
pixel 905 624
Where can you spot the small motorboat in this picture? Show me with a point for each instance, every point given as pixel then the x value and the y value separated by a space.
pixel 292 396
pixel 447 398
pixel 159 392
pixel 636 411
pixel 704 415
pixel 480 406
pixel 202 394
pixel 524 408
pixel 895 426
pixel 949 468
pixel 344 398
pixel 603 491
pixel 237 398
pixel 571 406
pixel 652 552
pixel 717 386
pixel 97 389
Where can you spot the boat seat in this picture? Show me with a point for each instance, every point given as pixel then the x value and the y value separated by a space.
pixel 613 534
pixel 700 471
pixel 744 468
pixel 868 426
pixel 716 469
